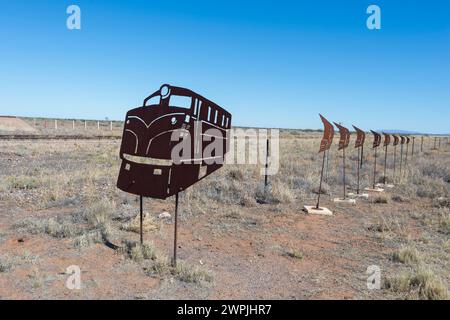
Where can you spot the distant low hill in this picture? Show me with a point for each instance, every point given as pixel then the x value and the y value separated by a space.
pixel 406 132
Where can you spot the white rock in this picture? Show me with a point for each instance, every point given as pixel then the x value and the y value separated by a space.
pixel 164 215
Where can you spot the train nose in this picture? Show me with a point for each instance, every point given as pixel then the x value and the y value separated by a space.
pixel 154 135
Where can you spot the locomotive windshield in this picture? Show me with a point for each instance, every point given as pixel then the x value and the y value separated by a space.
pixel 180 101
pixel 154 101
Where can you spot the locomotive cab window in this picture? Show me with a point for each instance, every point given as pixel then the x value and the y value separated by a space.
pixel 180 101
pixel 154 101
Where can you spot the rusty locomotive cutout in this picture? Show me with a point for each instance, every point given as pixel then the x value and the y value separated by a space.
pixel 344 136
pixel 328 134
pixel 387 139
pixel 396 139
pixel 376 139
pixel 360 137
pixel 148 168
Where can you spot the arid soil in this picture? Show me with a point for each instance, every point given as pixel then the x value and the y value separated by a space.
pixel 59 207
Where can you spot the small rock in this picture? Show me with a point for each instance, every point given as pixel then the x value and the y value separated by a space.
pixel 164 215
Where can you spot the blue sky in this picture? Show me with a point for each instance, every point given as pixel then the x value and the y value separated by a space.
pixel 270 63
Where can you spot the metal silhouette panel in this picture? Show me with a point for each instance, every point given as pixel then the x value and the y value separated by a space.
pixel 360 137
pixel 387 139
pixel 396 140
pixel 328 134
pixel 408 140
pixel 344 138
pixel 148 168
pixel 376 139
pixel 402 140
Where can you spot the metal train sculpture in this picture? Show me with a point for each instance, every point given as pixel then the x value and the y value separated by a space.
pixel 153 163
pixel 147 167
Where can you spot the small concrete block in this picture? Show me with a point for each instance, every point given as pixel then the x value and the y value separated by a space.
pixel 359 195
pixel 321 210
pixel 344 201
pixel 376 189
pixel 382 185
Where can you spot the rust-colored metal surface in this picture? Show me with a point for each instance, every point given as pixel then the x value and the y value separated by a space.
pixel 376 139
pixel 328 134
pixel 360 137
pixel 359 144
pixel 408 140
pixel 402 140
pixel 344 138
pixel 396 140
pixel 376 144
pixel 147 167
pixel 387 139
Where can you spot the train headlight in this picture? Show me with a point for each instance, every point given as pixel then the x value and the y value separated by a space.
pixel 165 91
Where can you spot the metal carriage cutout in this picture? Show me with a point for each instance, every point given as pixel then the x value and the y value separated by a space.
pixel 148 168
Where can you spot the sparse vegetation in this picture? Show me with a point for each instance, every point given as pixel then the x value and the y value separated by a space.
pixel 22 182
pixel 9 262
pixel 444 220
pixel 380 199
pixel 407 255
pixel 55 227
pixel 157 264
pixel 6 263
pixel 294 253
pixel 418 284
pixel 53 193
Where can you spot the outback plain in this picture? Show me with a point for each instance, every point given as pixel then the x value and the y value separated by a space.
pixel 59 206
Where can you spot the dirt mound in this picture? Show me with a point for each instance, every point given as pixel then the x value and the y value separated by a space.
pixel 13 124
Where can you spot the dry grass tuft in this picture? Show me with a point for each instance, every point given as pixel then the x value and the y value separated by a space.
pixel 444 220
pixel 294 253
pixel 9 262
pixel 6 263
pixel 407 255
pixel 191 274
pixel 55 227
pixel 22 182
pixel 380 199
pixel 98 213
pixel 149 224
pixel 419 284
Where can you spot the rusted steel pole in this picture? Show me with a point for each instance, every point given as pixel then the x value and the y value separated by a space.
pixel 321 178
pixel 421 144
pixel 412 151
pixel 358 164
pixel 266 165
pixel 395 158
pixel 141 219
pixel 362 155
pixel 401 159
pixel 343 161
pixel 174 262
pixel 385 163
pixel 375 167
pixel 406 156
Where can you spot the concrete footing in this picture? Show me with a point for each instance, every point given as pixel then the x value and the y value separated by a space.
pixel 344 201
pixel 359 195
pixel 322 210
pixel 382 185
pixel 376 189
